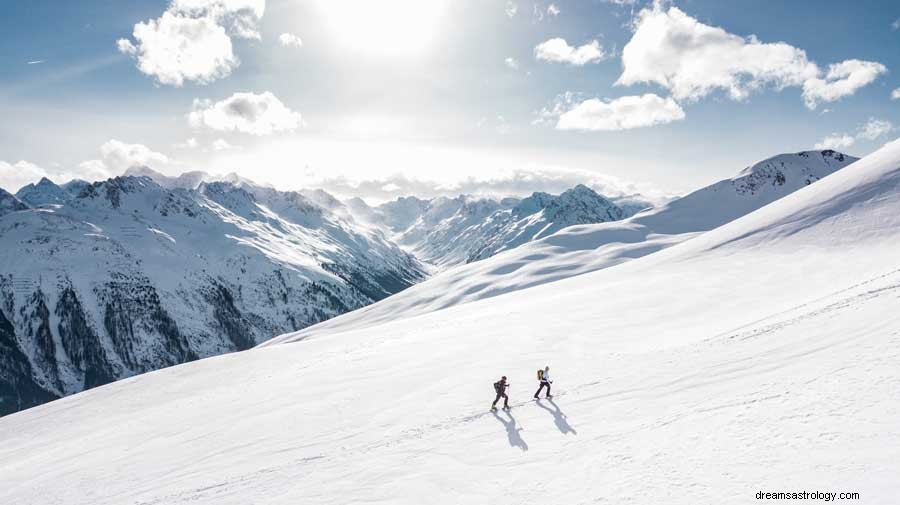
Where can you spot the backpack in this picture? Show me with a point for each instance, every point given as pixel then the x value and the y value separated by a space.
pixel 498 387
pixel 540 375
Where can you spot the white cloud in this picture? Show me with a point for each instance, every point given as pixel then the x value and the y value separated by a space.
pixel 622 113
pixel 190 143
pixel 192 40
pixel 117 156
pixel 874 128
pixel 500 183
pixel 836 141
pixel 290 40
pixel 553 10
pixel 511 63
pixel 559 51
pixel 511 8
pixel 256 114
pixel 842 79
pixel 896 24
pixel 895 95
pixel 692 59
pixel 871 130
pixel 221 145
pixel 13 176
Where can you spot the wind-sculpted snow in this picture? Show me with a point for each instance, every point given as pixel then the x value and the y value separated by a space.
pixel 580 249
pixel 761 355
pixel 127 276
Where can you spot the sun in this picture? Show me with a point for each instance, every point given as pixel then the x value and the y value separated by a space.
pixel 384 27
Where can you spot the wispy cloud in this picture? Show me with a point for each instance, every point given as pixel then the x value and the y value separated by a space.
pixel 35 62
pixel 520 182
pixel 872 129
pixel 511 8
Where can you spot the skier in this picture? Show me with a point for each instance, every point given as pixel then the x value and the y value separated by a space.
pixel 544 378
pixel 500 388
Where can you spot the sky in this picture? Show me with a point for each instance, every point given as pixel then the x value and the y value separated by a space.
pixel 393 97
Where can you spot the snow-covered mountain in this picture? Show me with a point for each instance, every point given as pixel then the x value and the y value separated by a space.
pixel 581 249
pixel 759 356
pixel 129 276
pixel 451 231
pixel 10 203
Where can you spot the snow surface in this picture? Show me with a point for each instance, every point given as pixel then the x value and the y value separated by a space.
pixel 761 356
pixel 581 249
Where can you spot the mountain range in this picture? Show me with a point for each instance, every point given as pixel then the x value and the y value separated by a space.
pixel 758 355
pixel 104 280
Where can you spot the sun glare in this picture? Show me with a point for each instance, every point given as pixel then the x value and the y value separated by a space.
pixel 386 27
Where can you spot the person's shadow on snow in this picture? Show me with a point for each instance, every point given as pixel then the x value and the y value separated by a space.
pixel 562 424
pixel 512 431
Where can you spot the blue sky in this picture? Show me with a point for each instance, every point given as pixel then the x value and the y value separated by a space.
pixel 432 96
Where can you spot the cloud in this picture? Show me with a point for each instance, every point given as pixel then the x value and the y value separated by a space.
pixel 13 176
pixel 516 182
pixel 871 130
pixel 290 40
pixel 896 24
pixel 221 145
pixel 118 156
pixel 511 63
pixel 553 10
pixel 622 113
pixel 559 51
pixel 256 114
pixel 192 40
pixel 35 62
pixel 895 95
pixel 842 79
pixel 190 143
pixel 692 59
pixel 874 128
pixel 836 141
pixel 511 8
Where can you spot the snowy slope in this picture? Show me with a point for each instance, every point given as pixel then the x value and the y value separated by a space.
pixel 130 276
pixel 9 203
pixel 580 249
pixel 761 356
pixel 452 231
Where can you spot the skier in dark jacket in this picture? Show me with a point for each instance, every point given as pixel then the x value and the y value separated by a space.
pixel 545 382
pixel 500 388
